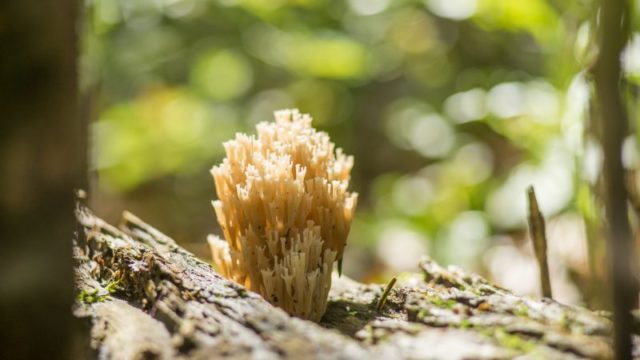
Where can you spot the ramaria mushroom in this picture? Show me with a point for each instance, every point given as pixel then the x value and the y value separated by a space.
pixel 285 212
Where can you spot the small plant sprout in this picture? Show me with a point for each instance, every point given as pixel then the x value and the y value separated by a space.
pixel 539 238
pixel 385 294
pixel 285 212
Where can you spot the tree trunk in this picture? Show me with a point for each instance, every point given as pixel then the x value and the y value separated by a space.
pixel 42 156
pixel 146 297
pixel 614 26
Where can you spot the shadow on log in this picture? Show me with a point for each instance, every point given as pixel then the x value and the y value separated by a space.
pixel 145 297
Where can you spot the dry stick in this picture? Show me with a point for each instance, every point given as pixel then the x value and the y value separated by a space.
pixel 613 36
pixel 539 240
pixel 385 294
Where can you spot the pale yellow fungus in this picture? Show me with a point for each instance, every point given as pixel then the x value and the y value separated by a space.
pixel 285 212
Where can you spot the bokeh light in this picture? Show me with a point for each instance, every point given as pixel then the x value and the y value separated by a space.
pixel 451 108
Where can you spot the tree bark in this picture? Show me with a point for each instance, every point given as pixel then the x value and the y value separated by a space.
pixel 42 160
pixel 621 253
pixel 146 297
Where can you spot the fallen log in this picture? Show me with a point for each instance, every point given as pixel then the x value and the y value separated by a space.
pixel 145 297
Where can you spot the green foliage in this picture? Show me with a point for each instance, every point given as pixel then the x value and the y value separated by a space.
pixel 451 108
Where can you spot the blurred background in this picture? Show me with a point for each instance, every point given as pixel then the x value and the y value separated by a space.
pixel 451 109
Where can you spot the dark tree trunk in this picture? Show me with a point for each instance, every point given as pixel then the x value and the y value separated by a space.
pixel 613 35
pixel 42 160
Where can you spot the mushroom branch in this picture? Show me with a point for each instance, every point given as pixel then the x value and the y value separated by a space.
pixel 285 212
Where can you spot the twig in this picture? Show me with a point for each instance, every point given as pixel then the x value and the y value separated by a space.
pixel 539 240
pixel 613 36
pixel 385 294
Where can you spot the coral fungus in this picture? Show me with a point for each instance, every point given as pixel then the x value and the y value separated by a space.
pixel 285 212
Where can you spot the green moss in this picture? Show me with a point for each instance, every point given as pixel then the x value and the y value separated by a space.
pixel 442 303
pixel 465 324
pixel 565 321
pixel 90 297
pixel 113 286
pixel 512 341
pixel 99 295
pixel 522 310
pixel 423 313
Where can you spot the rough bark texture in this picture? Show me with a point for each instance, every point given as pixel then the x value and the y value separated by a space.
pixel 147 298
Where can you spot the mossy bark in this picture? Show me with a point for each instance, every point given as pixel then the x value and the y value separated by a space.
pixel 146 297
